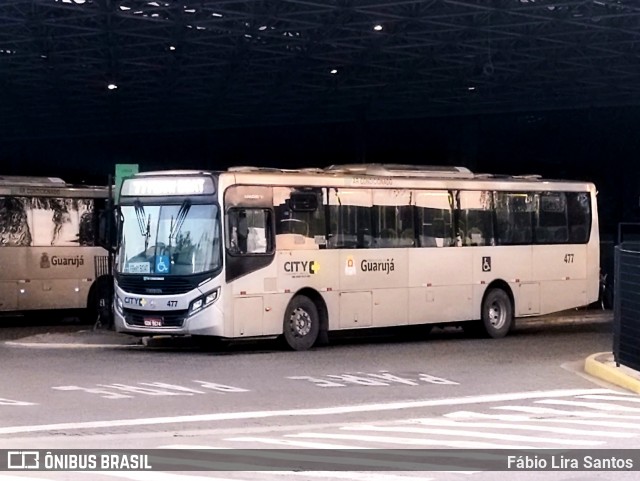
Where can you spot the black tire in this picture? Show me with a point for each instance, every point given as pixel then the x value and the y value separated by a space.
pixel 90 314
pixel 98 310
pixel 301 323
pixel 497 314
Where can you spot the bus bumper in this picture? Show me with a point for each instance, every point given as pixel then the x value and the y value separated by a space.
pixel 207 322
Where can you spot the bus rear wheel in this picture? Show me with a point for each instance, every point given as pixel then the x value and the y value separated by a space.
pixel 301 323
pixel 497 313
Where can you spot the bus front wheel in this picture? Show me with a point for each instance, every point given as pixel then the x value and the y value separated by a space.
pixel 497 313
pixel 301 323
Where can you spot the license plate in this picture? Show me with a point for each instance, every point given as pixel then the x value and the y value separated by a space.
pixel 153 322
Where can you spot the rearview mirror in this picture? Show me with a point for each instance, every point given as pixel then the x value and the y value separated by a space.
pixel 109 228
pixel 303 201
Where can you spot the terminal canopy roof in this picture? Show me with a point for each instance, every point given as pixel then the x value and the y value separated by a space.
pixel 72 67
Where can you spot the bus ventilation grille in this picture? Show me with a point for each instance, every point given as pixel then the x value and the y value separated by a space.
pixel 137 285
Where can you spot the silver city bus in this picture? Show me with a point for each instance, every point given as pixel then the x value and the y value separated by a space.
pixel 254 252
pixel 47 252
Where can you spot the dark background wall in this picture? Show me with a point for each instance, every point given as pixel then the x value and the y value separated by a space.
pixel 599 145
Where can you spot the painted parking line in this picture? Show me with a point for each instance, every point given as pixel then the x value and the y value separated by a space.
pixel 289 413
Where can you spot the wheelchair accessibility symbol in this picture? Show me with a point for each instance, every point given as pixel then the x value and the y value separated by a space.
pixel 486 264
pixel 162 264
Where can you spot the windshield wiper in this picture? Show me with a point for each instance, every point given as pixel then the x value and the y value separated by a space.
pixel 145 230
pixel 176 225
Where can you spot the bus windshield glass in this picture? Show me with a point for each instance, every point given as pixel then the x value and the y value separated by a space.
pixel 179 239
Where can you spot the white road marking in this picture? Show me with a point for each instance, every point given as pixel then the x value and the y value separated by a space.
pixel 284 442
pixel 523 418
pixel 410 441
pixel 254 475
pixel 187 446
pixel 356 476
pixel 473 434
pixel 620 397
pixel 560 412
pixel 199 418
pixel 13 402
pixel 590 405
pixel 523 427
pixel 160 476
pixel 4 477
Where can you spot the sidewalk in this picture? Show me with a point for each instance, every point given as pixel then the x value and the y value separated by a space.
pixel 84 337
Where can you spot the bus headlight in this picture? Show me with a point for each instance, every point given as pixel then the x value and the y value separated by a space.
pixel 204 301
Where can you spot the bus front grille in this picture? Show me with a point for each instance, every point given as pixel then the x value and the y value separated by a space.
pixel 158 319
pixel 168 285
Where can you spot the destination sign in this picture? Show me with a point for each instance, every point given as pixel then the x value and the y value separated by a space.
pixel 160 186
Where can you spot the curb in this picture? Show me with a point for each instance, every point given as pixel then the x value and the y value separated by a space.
pixel 603 366
pixel 568 317
pixel 59 345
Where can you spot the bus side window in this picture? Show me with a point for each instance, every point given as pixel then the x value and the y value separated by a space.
pixel 551 221
pixel 300 218
pixel 579 210
pixel 249 231
pixel 475 221
pixel 14 228
pixel 350 219
pixel 513 212
pixel 434 218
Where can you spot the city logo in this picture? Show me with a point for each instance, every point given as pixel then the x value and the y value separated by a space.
pixel 314 267
pixel 350 267
pixel 301 268
pixel 136 301
pixel 44 261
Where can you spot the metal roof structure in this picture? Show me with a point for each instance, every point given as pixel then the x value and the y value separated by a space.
pixel 72 67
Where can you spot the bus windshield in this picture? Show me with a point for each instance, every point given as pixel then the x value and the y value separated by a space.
pixel 178 239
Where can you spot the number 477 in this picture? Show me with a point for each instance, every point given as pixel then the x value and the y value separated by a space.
pixel 568 258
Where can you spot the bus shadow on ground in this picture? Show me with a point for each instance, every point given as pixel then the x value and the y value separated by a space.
pixel 386 335
pixel 62 329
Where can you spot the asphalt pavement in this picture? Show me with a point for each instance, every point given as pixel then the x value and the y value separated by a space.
pixel 601 365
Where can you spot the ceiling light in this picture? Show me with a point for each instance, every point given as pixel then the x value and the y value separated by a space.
pixel 172 47
pixel 377 28
pixel 334 71
pixel 112 86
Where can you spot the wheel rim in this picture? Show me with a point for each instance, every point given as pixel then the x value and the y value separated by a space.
pixel 300 322
pixel 497 314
